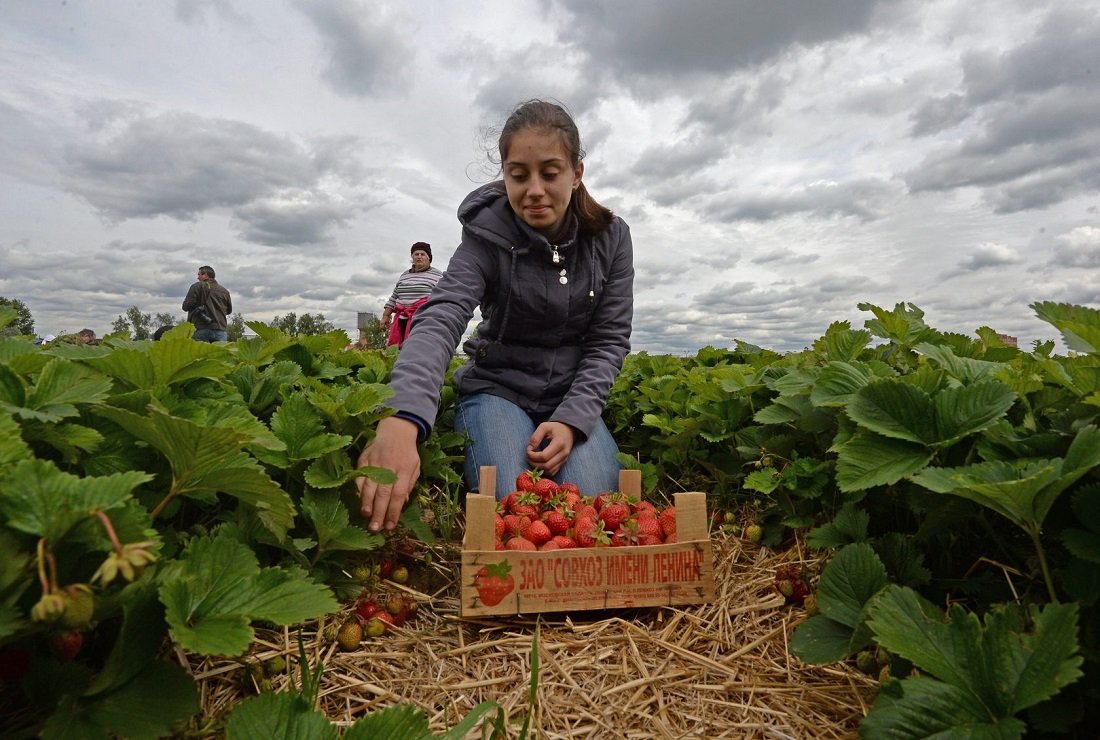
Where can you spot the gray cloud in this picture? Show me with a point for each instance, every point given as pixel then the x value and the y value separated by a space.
pixel 1079 248
pixel 1028 119
pixel 653 38
pixel 363 44
pixel 181 165
pixel 864 199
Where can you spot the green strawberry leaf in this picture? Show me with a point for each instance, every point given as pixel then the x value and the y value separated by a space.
pixel 40 500
pixel 329 515
pixel 849 525
pixel 217 588
pixel 820 640
pixel 1079 325
pixel 848 582
pixel 1000 668
pixel 918 708
pixel 60 386
pixel 271 715
pixel 209 460
pixel 867 460
pixel 298 424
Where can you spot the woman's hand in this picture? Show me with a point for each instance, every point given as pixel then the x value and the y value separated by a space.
pixel 394 447
pixel 558 441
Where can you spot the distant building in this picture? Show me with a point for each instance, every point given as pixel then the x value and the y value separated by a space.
pixel 1008 339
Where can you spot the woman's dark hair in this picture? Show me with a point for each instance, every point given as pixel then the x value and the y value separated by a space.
pixel 592 218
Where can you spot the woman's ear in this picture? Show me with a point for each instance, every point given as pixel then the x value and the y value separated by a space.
pixel 578 171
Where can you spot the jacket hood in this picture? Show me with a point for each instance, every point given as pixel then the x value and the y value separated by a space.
pixel 486 214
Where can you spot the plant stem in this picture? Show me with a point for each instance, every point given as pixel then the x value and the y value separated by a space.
pixel 163 503
pixel 47 587
pixel 1033 532
pixel 110 532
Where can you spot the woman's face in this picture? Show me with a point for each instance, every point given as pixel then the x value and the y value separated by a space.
pixel 540 179
pixel 420 260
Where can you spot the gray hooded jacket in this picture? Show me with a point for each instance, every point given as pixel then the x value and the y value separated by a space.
pixel 553 349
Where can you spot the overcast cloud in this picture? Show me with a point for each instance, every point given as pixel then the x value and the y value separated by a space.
pixel 778 162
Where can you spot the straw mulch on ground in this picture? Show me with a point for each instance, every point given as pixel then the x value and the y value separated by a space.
pixel 720 670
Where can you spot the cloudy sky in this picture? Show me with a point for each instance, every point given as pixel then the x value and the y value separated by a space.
pixel 778 162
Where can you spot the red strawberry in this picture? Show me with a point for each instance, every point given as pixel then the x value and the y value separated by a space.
pixel 601 499
pixel 667 518
pixel 498 524
pixel 582 510
pixel 568 487
pixel 513 524
pixel 589 532
pixel 651 539
pixel 557 522
pixel 527 504
pixel 549 545
pixel 536 531
pixel 519 543
pixel 526 480
pixel 67 644
pixel 564 542
pixel 494 582
pixel 614 513
pixel 645 507
pixel 545 488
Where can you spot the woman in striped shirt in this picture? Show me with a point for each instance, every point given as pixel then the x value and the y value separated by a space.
pixel 411 292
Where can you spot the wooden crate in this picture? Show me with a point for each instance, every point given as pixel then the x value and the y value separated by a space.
pixel 591 578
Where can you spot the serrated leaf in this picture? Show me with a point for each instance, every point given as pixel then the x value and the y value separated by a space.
pixel 1002 669
pixel 895 409
pixel 1022 491
pixel 284 716
pixel 1082 544
pixel 969 409
pixel 217 589
pixel 849 525
pixel 930 709
pixel 150 705
pixel 209 460
pixel 1079 325
pixel 866 460
pixel 329 515
pixel 838 382
pixel 299 426
pixel 965 369
pixel 848 582
pixel 60 386
pixel 41 500
pixel 820 640
pixel 12 446
pixel 764 480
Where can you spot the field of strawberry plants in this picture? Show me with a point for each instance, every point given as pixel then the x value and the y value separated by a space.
pixel 171 497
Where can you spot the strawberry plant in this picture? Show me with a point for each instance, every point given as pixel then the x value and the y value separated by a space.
pixel 174 490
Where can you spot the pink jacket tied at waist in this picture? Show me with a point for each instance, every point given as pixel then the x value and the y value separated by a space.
pixel 402 312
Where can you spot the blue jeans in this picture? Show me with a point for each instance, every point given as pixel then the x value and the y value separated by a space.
pixel 210 335
pixel 498 432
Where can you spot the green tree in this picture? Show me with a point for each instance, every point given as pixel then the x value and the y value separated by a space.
pixel 24 322
pixel 135 323
pixel 371 334
pixel 236 328
pixel 294 325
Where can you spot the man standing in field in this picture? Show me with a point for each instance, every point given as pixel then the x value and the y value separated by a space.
pixel 208 306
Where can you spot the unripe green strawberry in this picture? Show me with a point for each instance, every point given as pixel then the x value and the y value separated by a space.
pixel 400 574
pixel 275 666
pixel 376 627
pixel 866 663
pixel 363 573
pixel 350 635
pixel 754 533
pixel 884 674
pixel 79 607
pixel 329 634
pixel 810 604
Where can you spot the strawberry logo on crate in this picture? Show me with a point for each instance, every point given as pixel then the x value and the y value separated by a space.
pixel 494 582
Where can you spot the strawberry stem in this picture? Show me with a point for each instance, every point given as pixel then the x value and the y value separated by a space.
pixel 43 578
pixel 110 532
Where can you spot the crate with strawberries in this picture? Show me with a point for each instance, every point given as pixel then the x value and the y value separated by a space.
pixel 548 547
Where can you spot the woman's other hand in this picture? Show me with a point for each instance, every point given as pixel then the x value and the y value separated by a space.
pixel 394 447
pixel 556 442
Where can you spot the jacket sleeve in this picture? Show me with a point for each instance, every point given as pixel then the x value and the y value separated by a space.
pixel 193 298
pixel 421 366
pixel 607 342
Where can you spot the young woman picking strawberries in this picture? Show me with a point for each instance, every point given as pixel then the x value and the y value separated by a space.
pixel 553 273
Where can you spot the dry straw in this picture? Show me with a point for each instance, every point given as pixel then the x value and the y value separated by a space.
pixel 720 670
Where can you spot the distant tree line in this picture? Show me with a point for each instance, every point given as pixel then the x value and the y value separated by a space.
pixel 140 325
